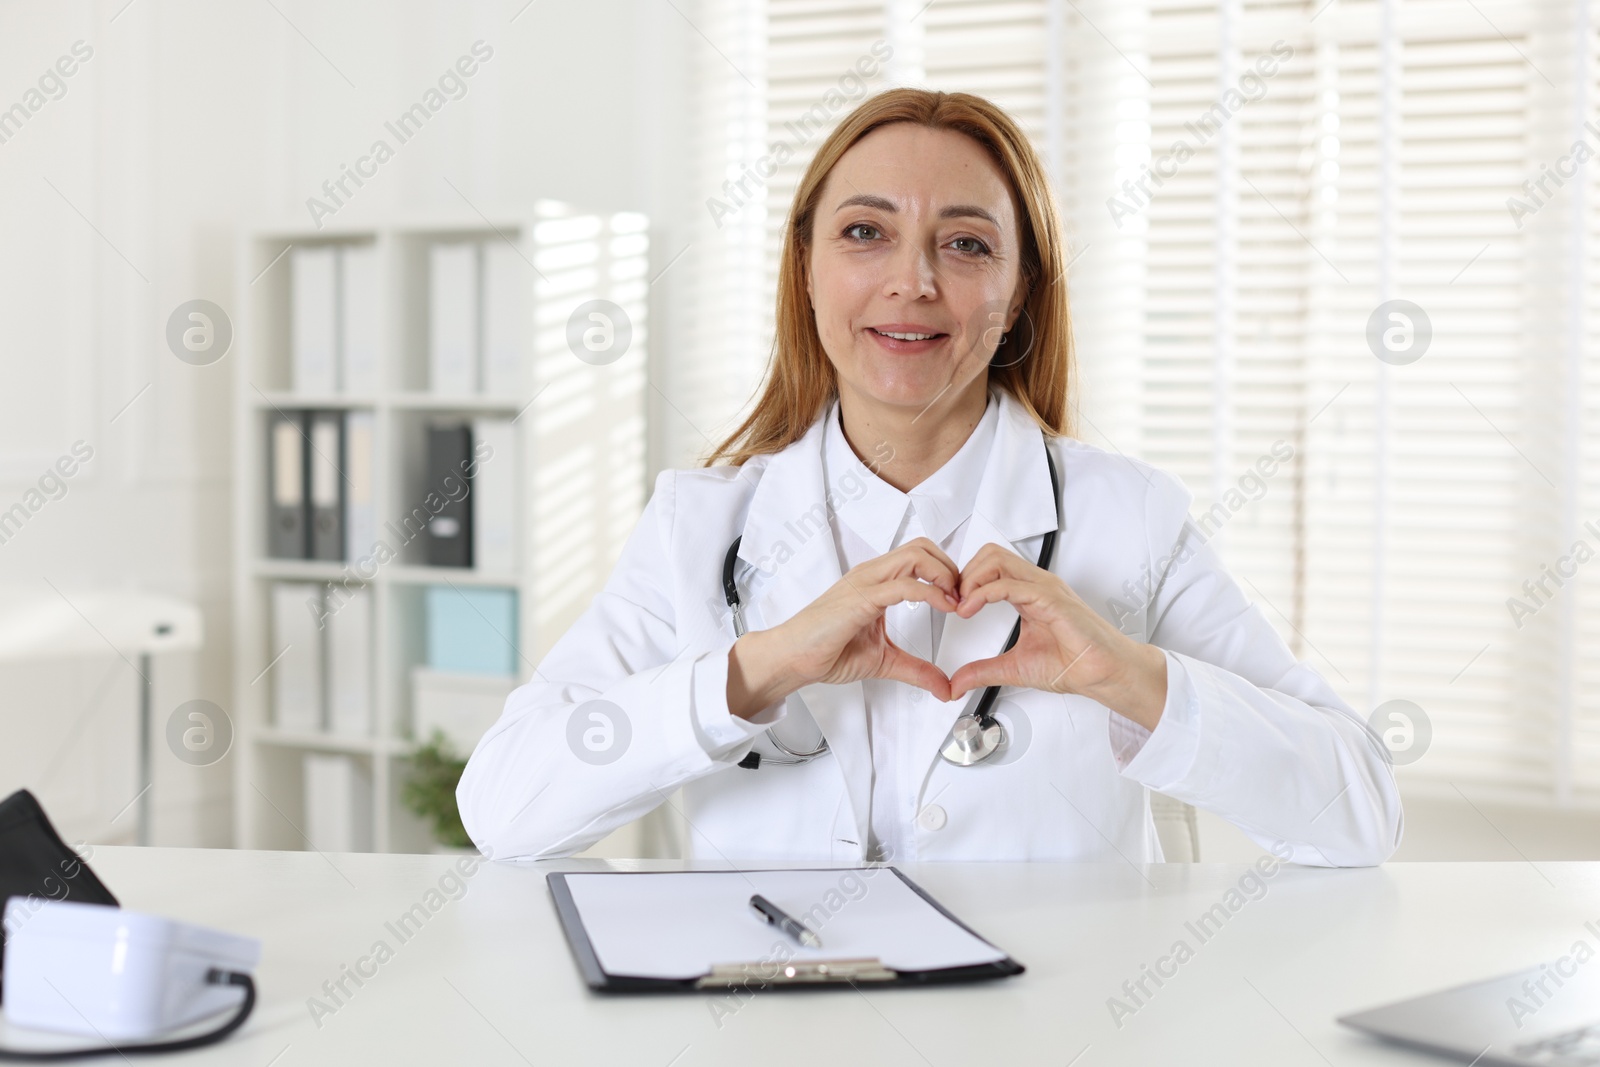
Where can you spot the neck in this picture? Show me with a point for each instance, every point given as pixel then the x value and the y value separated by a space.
pixel 903 446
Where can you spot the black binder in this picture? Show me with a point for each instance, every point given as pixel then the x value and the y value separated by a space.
pixel 450 529
pixel 326 487
pixel 287 534
pixel 753 975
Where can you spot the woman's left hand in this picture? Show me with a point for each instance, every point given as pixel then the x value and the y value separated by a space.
pixel 1064 646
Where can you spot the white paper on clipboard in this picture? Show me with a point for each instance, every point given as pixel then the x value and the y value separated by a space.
pixel 680 924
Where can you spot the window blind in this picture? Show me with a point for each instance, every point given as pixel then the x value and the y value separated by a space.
pixel 1244 183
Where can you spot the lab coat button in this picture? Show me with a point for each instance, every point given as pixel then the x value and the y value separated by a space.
pixel 931 817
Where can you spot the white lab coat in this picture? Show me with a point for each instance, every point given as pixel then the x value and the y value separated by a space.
pixel 1247 732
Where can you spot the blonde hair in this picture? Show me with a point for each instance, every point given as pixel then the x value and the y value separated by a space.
pixel 801 380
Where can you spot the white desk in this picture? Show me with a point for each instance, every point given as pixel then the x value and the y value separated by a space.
pixel 488 978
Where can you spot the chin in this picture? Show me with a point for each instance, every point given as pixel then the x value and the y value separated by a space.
pixel 906 386
pixel 903 392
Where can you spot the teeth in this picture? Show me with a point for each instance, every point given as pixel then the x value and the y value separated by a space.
pixel 908 336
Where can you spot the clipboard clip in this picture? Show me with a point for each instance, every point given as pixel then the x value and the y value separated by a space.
pixel 796 972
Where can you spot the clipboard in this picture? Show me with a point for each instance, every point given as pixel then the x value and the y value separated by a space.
pixel 804 969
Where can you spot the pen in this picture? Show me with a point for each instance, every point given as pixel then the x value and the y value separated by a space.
pixel 773 915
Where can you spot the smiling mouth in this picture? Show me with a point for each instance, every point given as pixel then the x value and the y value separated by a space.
pixel 905 337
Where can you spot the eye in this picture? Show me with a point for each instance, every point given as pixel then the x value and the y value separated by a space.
pixel 849 231
pixel 981 249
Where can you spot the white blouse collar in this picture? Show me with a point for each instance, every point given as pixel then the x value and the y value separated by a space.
pixel 874 509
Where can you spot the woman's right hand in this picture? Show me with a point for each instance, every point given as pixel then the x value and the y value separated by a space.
pixel 840 637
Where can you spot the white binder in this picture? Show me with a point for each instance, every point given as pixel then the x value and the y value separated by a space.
pixel 360 515
pixel 296 677
pixel 338 800
pixel 358 319
pixel 494 497
pixel 453 318
pixel 348 634
pixel 314 314
pixel 507 318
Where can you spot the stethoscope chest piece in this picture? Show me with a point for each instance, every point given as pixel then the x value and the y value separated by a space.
pixel 971 741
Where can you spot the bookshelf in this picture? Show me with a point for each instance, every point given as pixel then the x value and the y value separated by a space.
pixel 578 427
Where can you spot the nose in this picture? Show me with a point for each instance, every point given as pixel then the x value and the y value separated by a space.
pixel 909 273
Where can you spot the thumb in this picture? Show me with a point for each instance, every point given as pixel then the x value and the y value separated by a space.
pixel 901 666
pixel 996 670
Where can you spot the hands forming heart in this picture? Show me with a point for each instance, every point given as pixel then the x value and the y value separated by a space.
pixel 1063 646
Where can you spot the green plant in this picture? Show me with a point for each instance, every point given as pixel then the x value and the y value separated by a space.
pixel 430 790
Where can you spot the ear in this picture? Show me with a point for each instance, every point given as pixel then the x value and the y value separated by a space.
pixel 1018 298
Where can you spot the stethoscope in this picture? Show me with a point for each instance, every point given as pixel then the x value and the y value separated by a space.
pixel 976 735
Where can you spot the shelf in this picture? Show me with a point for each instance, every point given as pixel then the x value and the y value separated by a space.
pixel 367 746
pixel 464 402
pixel 275 399
pixel 414 575
pixel 296 570
pixel 304 570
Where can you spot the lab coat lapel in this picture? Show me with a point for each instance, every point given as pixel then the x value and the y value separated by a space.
pixel 1014 503
pixel 788 540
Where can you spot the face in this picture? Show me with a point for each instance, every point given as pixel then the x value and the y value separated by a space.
pixel 916 233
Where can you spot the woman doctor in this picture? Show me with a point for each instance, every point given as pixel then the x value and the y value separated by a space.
pixel 893 493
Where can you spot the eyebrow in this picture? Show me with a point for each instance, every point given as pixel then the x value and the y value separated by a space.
pixel 954 211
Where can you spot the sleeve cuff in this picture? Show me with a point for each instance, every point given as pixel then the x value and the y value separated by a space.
pixel 1162 758
pixel 721 732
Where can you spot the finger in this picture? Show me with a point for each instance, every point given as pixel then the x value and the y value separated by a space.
pixel 936 552
pixel 996 670
pixel 1019 593
pixel 896 590
pixel 991 562
pixel 901 666
pixel 934 572
pixel 918 547
pixel 923 559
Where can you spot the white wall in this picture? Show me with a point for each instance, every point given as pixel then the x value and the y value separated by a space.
pixel 120 200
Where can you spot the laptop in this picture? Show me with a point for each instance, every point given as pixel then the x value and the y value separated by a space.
pixel 1545 1016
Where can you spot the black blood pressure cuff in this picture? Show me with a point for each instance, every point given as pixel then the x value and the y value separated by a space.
pixel 35 862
